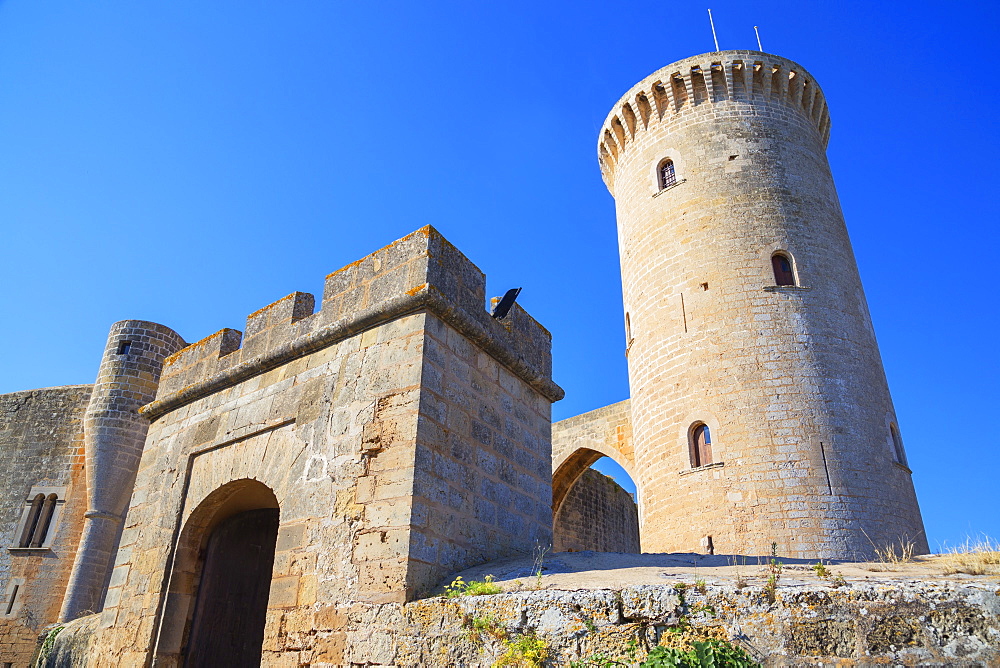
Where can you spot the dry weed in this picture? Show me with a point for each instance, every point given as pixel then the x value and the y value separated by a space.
pixel 976 556
pixel 890 557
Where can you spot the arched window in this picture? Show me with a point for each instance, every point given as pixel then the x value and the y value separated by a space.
pixel 31 523
pixel 666 175
pixel 897 445
pixel 44 521
pixel 782 266
pixel 38 517
pixel 700 445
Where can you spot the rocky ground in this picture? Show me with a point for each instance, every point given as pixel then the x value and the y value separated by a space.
pixel 590 609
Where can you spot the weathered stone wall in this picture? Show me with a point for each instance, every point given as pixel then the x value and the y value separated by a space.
pixel 41 445
pixel 597 514
pixel 788 379
pixel 885 623
pixel 403 432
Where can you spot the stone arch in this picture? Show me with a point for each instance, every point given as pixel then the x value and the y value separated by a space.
pixel 593 510
pixel 233 499
pixel 572 467
pixel 580 441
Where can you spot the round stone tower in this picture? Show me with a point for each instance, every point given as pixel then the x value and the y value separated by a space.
pixel 114 436
pixel 760 409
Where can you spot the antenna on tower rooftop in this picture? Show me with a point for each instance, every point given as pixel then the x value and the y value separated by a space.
pixel 713 30
pixel 759 47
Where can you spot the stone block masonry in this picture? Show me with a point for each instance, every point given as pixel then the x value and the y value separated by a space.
pixel 882 621
pixel 114 434
pixel 580 441
pixel 41 451
pixel 718 168
pixel 403 433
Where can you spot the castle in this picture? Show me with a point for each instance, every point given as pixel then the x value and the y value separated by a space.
pixel 306 477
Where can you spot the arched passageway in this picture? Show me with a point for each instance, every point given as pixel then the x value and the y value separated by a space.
pixel 593 510
pixel 219 585
pixel 589 510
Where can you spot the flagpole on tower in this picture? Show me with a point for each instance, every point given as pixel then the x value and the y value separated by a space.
pixel 759 47
pixel 713 30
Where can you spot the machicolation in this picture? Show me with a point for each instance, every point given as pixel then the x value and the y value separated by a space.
pixel 748 78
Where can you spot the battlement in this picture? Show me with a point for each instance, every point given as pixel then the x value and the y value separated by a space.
pixel 749 77
pixel 421 271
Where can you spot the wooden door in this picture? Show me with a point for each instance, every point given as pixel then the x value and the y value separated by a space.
pixel 227 628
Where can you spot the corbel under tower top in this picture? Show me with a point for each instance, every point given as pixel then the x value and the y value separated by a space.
pixel 748 78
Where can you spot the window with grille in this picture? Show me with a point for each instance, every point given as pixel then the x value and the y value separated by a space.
pixel 666 174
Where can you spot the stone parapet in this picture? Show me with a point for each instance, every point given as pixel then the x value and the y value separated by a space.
pixel 734 76
pixel 420 271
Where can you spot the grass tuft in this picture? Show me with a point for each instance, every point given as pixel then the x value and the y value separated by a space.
pixel 976 556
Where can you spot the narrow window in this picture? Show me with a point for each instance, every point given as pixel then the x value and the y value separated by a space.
pixel 666 174
pixel 897 445
pixel 782 266
pixel 124 347
pixel 13 599
pixel 44 521
pixel 628 329
pixel 34 512
pixel 701 445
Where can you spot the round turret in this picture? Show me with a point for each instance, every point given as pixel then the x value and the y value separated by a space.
pixel 760 408
pixel 114 436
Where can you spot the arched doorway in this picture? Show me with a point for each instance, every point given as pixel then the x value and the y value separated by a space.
pixel 227 628
pixel 218 592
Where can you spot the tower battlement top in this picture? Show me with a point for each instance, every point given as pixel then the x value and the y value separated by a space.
pixel 420 272
pixel 722 77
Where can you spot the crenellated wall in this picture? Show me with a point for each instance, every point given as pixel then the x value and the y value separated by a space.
pixel 403 433
pixel 420 271
pixel 711 78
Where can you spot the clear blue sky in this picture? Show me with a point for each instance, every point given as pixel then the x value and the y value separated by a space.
pixel 190 162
